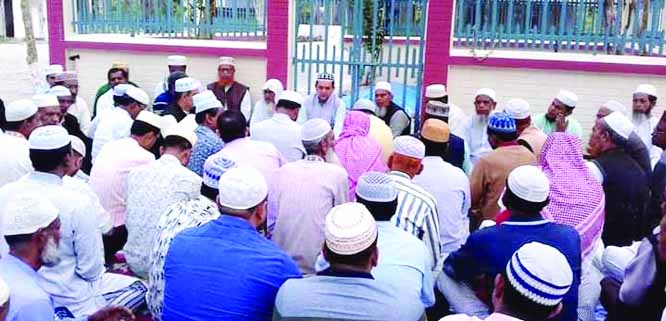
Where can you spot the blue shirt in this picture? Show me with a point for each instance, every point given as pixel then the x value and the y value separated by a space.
pixel 208 143
pixel 27 300
pixel 487 252
pixel 223 270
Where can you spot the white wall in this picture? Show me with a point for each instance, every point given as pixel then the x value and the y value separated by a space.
pixel 539 87
pixel 147 69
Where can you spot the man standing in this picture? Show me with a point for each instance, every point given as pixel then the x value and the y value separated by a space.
pixel 79 107
pixel 488 251
pixel 456 117
pixel 69 121
pixel 32 230
pixel 453 197
pixel 557 119
pixel 117 122
pixel 77 281
pixel 118 74
pixel 178 217
pixel 625 184
pixel 21 116
pixel 182 104
pixel 48 109
pixel 50 72
pixel 281 129
pixel 393 115
pixel 108 177
pixel 151 189
pixel 476 135
pixel 488 178
pixel 379 131
pixel 232 94
pixel 174 63
pixel 347 290
pixel 325 104
pixel 207 109
pixel 264 108
pixel 224 269
pixel 644 100
pixel 528 135
pixel 417 209
pixel 301 202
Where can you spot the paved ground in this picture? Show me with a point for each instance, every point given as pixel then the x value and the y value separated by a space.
pixel 14 72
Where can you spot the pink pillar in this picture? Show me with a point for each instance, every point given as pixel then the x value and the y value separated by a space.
pixel 277 40
pixel 56 32
pixel 438 42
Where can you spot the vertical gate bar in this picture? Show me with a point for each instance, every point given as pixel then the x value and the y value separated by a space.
pixel 373 43
pixel 410 20
pixel 327 22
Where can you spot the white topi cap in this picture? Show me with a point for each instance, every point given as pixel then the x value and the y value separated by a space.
pixel 227 61
pixel 49 138
pixel 213 168
pixel 205 100
pixel 350 229
pixel 177 60
pixel 384 85
pixel 315 129
pixel 376 187
pixel 53 69
pixel 242 188
pixel 646 89
pixel 167 121
pixel 490 93
pixel 183 131
pixel 46 100
pixel 614 105
pixel 120 89
pixel 26 214
pixel 292 96
pixel 78 145
pixel 60 91
pixel 138 94
pixel 19 110
pixel 409 146
pixel 273 85
pixel 517 108
pixel 151 119
pixel 540 272
pixel 529 183
pixel 620 124
pixel 435 91
pixel 365 104
pixel 186 84
pixel 568 98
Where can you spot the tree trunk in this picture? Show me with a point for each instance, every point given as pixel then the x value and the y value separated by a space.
pixel 31 47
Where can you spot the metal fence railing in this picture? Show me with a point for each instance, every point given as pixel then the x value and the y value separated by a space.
pixel 172 18
pixel 634 27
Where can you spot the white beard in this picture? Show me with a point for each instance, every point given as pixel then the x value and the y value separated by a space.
pixel 381 112
pixel 50 256
pixel 331 157
pixel 639 118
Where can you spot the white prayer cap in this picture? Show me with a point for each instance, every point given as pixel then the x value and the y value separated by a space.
pixel 376 187
pixel 614 105
pixel 292 96
pixel 120 89
pixel 176 60
pixel 518 108
pixel 60 91
pixel 568 98
pixel 26 214
pixel 167 121
pixel 49 138
pixel 227 61
pixel 4 292
pixel 540 273
pixel 619 124
pixel 314 129
pixel 53 69
pixel 409 146
pixel 205 100
pixel 186 84
pixel 529 183
pixel 181 130
pixel 138 94
pixel 213 168
pixel 78 145
pixel 242 188
pixel 490 93
pixel 646 89
pixel 365 104
pixel 45 100
pixel 19 110
pixel 273 85
pixel 435 91
pixel 151 119
pixel 350 229
pixel 384 85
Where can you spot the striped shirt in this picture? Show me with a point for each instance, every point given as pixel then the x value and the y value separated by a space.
pixel 417 214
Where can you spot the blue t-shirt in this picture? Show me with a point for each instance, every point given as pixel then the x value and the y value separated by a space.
pixel 488 251
pixel 223 270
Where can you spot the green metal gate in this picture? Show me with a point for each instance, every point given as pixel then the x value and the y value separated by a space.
pixel 361 42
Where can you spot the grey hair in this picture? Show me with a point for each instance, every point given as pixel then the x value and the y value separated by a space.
pixel 313 147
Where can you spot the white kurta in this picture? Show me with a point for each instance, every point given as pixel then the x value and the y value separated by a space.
pixel 476 137
pixel 283 133
pixel 15 157
pixel 644 126
pixel 113 125
pixel 81 111
pixel 104 219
